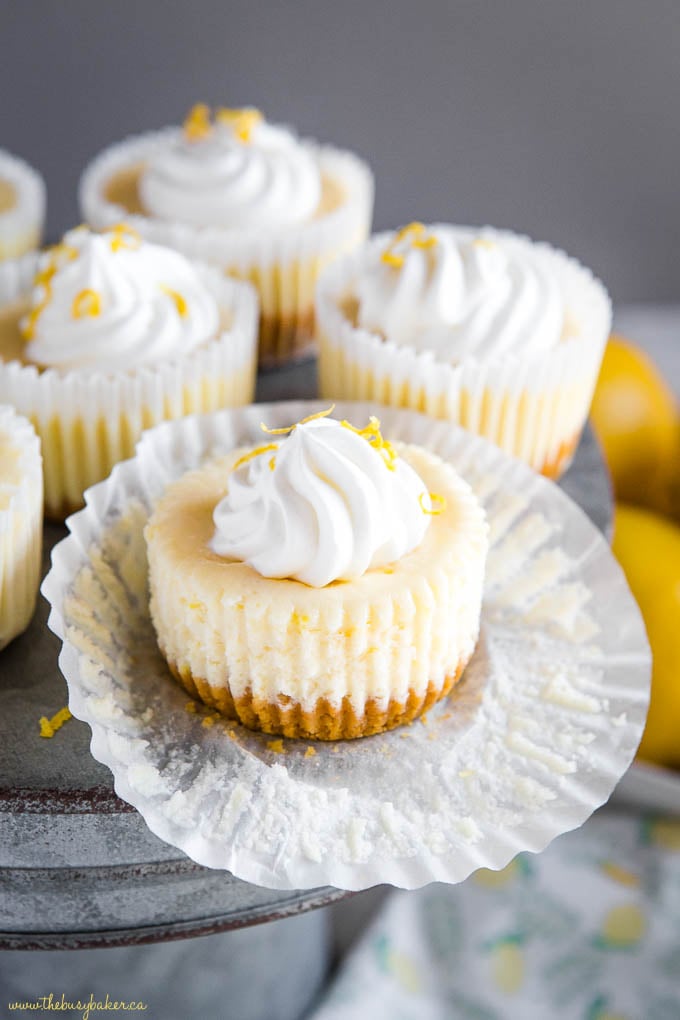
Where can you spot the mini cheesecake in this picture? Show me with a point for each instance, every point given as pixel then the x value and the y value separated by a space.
pixel 347 659
pixel 22 206
pixel 21 518
pixel 232 189
pixel 484 328
pixel 103 336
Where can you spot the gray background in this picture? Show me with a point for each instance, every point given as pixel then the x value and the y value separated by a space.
pixel 559 119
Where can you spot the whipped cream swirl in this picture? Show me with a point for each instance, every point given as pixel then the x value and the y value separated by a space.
pixel 322 505
pixel 109 301
pixel 458 294
pixel 225 177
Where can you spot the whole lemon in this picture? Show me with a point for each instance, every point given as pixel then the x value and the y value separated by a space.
pixel 648 548
pixel 635 417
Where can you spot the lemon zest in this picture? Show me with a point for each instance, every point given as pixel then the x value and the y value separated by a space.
pixel 254 453
pixel 272 463
pixel 242 121
pixel 43 278
pixel 29 324
pixel 87 302
pixel 197 123
pixel 391 258
pixel 372 434
pixel 62 250
pixel 48 727
pixel 411 229
pixel 416 234
pixel 303 421
pixel 180 301
pixel 123 237
pixel 424 242
pixel 438 504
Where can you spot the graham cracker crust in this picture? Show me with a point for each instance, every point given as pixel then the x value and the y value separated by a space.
pixel 325 721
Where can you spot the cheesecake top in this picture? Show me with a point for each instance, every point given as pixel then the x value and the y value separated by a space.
pixel 231 169
pixel 110 301
pixel 459 293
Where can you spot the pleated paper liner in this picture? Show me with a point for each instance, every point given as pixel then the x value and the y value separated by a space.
pixel 533 738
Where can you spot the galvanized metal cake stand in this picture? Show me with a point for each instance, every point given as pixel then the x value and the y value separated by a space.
pixel 78 866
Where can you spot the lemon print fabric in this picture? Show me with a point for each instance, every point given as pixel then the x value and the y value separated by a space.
pixel 508 965
pixel 623 927
pixel 587 930
pixel 664 833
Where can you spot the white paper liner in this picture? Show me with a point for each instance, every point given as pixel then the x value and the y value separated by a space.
pixel 21 520
pixel 532 406
pixel 283 264
pixel 21 227
pixel 545 721
pixel 89 420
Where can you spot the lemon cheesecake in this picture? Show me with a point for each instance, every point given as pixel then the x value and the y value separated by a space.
pixel 232 189
pixel 21 518
pixel 105 335
pixel 326 584
pixel 477 326
pixel 22 206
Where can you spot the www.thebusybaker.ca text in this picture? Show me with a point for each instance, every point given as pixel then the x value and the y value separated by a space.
pixel 48 1003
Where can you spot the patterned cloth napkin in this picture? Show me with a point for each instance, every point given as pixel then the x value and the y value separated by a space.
pixel 589 929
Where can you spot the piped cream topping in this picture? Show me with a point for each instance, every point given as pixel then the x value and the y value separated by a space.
pixel 458 294
pixel 110 301
pixel 232 170
pixel 326 503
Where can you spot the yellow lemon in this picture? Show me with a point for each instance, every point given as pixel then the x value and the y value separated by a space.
pixel 635 417
pixel 623 926
pixel 648 549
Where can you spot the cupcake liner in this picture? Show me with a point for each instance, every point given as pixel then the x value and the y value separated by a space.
pixel 533 406
pixel 88 420
pixel 533 738
pixel 21 227
pixel 283 265
pixel 21 519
